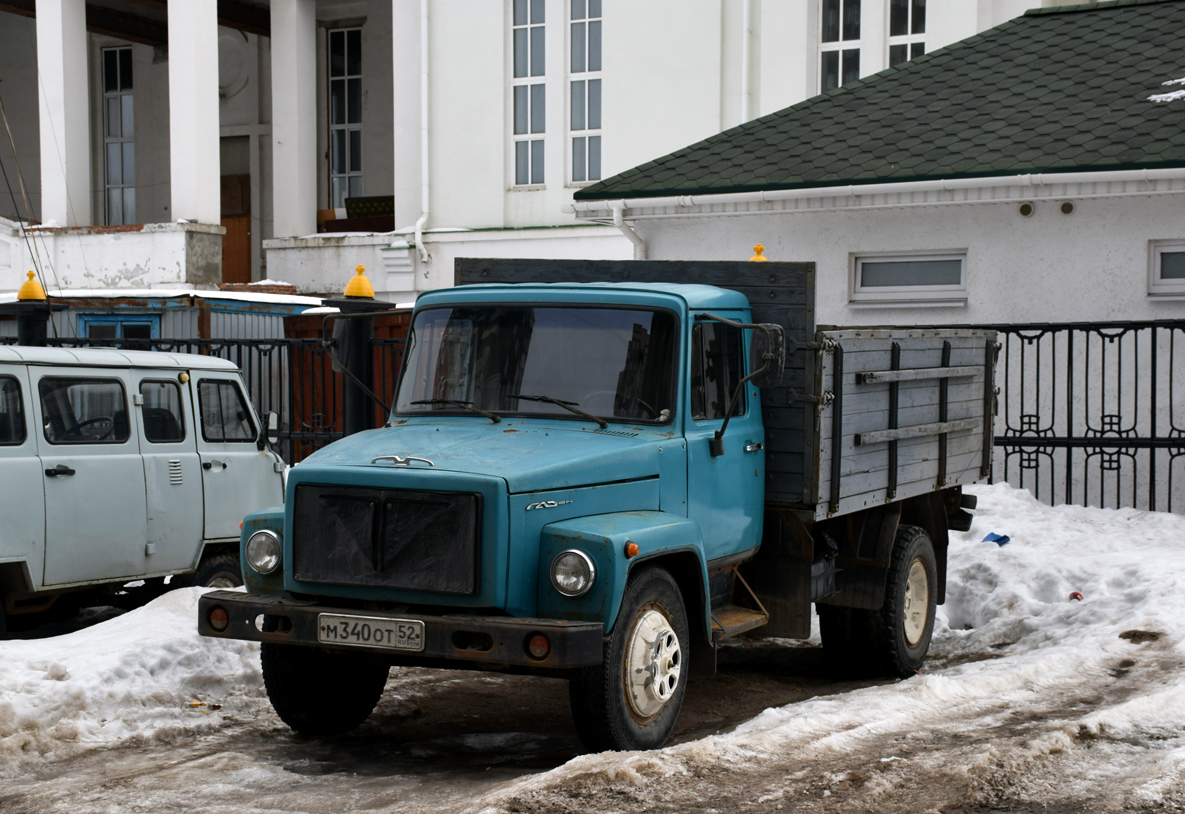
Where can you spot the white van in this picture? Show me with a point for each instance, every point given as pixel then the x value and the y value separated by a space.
pixel 124 465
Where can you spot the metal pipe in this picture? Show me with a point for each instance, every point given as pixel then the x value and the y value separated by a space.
pixel 425 187
pixel 618 208
pixel 746 34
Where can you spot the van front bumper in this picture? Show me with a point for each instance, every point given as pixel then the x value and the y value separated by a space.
pixel 494 642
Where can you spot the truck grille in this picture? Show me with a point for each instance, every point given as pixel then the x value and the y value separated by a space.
pixel 420 541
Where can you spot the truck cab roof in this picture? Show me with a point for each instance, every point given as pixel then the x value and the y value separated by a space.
pixel 693 296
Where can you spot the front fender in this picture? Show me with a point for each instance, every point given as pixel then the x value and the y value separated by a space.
pixel 603 537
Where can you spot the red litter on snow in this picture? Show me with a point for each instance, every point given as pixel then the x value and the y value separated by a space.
pixel 1075 595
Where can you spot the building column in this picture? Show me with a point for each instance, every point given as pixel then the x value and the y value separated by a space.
pixel 294 117
pixel 194 158
pixel 64 108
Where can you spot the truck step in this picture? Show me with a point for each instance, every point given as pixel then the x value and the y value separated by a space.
pixel 732 620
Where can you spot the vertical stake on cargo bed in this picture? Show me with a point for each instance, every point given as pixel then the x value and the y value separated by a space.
pixel 894 388
pixel 836 425
pixel 989 414
pixel 943 392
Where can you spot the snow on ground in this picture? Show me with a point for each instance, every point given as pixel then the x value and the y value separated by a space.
pixel 132 679
pixel 1010 648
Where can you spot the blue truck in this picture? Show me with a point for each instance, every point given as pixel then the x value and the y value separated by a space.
pixel 600 471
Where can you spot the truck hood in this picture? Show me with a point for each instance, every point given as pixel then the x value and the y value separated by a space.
pixel 529 457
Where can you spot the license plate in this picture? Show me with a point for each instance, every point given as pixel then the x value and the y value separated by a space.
pixel 370 631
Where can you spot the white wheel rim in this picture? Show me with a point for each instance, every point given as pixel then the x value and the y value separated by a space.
pixel 653 662
pixel 917 602
pixel 221 582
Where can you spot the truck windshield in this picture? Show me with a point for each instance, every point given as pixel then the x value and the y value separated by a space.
pixel 613 363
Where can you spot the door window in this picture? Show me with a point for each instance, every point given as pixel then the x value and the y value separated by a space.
pixel 12 416
pixel 717 363
pixel 225 415
pixel 84 411
pixel 164 422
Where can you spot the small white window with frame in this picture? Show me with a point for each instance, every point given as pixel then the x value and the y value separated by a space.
pixel 907 30
pixel 936 278
pixel 585 91
pixel 529 92
pixel 1166 268
pixel 839 43
pixel 345 115
pixel 119 145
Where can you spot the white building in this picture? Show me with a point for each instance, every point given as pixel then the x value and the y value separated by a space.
pixel 141 130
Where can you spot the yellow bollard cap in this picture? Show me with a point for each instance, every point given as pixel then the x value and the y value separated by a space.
pixel 758 257
pixel 31 289
pixel 359 286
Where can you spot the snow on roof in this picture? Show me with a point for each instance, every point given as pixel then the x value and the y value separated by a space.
pixel 167 293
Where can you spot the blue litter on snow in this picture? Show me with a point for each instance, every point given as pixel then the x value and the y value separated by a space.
pixel 998 539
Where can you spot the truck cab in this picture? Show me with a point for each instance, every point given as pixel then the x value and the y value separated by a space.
pixel 570 480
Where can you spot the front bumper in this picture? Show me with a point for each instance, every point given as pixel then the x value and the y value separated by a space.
pixel 481 641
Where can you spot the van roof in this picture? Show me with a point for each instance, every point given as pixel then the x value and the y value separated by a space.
pixel 110 357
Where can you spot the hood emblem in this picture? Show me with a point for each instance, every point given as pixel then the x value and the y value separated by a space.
pixel 398 460
pixel 547 504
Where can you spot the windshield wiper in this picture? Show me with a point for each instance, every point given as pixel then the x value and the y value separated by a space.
pixel 464 405
pixel 570 406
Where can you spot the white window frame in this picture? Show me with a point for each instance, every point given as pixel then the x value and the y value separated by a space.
pixel 840 45
pixel 907 295
pixel 535 77
pixel 909 40
pixel 1158 286
pixel 586 76
pixel 124 143
pixel 352 180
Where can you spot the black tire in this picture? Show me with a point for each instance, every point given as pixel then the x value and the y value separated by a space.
pixel 609 713
pixel 901 631
pixel 217 571
pixel 318 693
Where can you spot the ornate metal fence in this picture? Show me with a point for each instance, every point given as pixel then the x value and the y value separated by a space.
pixel 1093 414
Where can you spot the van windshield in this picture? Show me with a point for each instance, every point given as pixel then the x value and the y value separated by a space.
pixel 613 363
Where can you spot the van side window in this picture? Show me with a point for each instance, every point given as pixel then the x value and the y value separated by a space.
pixel 225 416
pixel 164 422
pixel 12 416
pixel 716 367
pixel 84 411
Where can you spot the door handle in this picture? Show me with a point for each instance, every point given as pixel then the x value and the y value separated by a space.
pixel 60 469
pixel 755 447
pixel 210 464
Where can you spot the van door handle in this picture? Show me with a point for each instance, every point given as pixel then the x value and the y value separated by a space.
pixel 60 469
pixel 210 464
pixel 755 447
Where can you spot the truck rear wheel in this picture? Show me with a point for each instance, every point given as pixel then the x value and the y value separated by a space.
pixel 317 693
pixel 905 623
pixel 632 699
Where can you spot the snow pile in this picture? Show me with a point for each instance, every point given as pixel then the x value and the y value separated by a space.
pixel 1008 642
pixel 133 678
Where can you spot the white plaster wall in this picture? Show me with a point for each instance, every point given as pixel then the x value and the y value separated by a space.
pixel 18 70
pixel 1091 265
pixel 325 263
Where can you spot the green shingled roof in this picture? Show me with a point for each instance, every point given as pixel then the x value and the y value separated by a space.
pixel 1058 90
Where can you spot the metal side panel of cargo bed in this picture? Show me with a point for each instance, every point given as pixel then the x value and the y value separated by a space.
pixel 903 412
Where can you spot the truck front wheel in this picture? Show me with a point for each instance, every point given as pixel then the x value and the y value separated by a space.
pixel 317 693
pixel 632 699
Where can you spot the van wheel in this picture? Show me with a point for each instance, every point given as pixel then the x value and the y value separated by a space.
pixel 903 627
pixel 317 693
pixel 632 699
pixel 219 571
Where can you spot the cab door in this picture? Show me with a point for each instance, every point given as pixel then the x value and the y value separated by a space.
pixel 23 496
pixel 172 472
pixel 237 477
pixel 725 493
pixel 88 445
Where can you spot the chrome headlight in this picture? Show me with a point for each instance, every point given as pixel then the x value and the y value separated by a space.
pixel 264 551
pixel 573 573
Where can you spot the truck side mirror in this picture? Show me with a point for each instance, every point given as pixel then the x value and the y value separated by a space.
pixel 271 432
pixel 767 348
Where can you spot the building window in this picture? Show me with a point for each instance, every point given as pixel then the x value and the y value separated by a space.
pixel 118 134
pixel 1166 268
pixel 839 43
pixel 917 278
pixel 907 30
pixel 119 326
pixel 529 90
pixel 345 115
pixel 585 86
